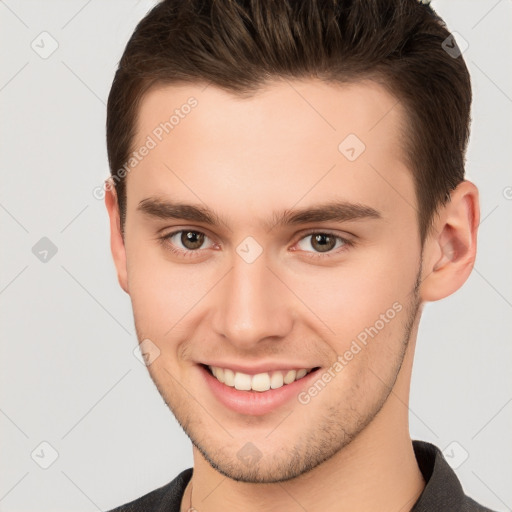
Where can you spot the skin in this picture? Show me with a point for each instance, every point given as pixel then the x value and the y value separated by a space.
pixel 349 448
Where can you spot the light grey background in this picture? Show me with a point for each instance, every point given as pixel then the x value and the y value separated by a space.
pixel 68 373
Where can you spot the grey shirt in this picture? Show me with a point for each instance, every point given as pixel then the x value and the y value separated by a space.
pixel 443 491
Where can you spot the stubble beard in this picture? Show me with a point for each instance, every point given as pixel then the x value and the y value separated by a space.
pixel 323 439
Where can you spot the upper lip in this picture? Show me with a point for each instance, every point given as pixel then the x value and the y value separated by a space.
pixel 261 367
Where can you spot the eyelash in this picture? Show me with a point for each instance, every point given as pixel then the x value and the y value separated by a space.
pixel 165 240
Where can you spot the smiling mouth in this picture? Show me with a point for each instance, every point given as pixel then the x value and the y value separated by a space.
pixel 259 382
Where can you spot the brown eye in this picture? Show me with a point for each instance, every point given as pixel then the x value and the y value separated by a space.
pixel 185 242
pixel 318 242
pixel 323 242
pixel 192 239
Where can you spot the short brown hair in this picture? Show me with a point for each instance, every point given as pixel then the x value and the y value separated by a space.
pixel 239 45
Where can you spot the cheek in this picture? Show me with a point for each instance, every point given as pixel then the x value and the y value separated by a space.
pixel 156 287
pixel 165 294
pixel 349 295
pixel 362 299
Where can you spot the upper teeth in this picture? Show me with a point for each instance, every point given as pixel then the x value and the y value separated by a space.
pixel 258 382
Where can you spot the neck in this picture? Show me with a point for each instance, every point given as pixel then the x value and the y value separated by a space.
pixel 381 479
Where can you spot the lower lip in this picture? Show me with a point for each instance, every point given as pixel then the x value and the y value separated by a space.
pixel 255 403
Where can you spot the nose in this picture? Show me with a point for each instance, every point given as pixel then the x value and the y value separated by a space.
pixel 252 305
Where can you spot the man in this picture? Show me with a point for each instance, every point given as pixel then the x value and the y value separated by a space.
pixel 288 191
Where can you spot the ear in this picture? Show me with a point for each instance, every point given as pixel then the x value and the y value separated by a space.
pixel 116 239
pixel 449 252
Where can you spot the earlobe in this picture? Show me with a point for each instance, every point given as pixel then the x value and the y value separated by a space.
pixel 116 239
pixel 450 252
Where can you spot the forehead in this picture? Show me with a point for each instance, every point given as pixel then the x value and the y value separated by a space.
pixel 278 145
pixel 297 110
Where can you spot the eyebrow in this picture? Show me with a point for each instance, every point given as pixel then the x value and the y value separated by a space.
pixel 337 211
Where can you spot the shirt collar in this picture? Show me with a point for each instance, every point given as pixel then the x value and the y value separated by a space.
pixel 442 485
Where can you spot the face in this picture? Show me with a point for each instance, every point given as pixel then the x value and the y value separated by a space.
pixel 265 235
